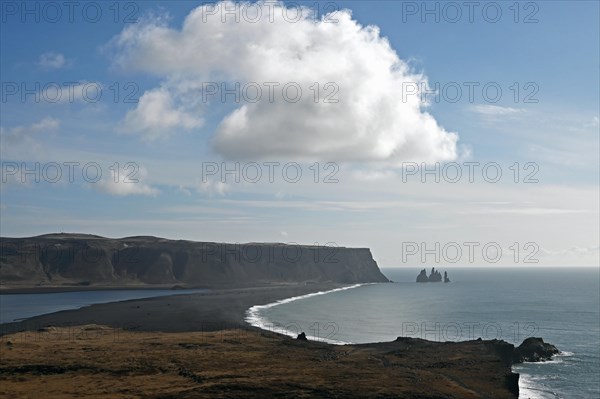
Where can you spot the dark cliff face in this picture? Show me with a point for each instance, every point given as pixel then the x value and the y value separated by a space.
pixel 499 353
pixel 68 259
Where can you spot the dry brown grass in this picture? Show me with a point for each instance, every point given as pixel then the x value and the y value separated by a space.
pixel 100 362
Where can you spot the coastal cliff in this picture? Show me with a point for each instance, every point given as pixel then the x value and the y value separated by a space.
pixel 63 260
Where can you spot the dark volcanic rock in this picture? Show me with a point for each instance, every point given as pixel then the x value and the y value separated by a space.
pixel 446 279
pixel 302 337
pixel 422 277
pixel 78 259
pixel 504 349
pixel 434 277
pixel 512 383
pixel 534 350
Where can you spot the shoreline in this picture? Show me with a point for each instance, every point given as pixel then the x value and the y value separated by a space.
pixel 62 290
pixel 212 310
pixel 251 317
pixel 49 289
pixel 255 320
pixel 168 330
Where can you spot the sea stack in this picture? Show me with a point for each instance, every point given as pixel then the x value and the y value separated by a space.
pixel 434 277
pixel 422 277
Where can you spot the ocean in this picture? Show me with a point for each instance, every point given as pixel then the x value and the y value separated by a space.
pixel 561 305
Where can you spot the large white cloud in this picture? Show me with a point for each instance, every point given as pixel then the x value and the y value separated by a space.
pixel 372 120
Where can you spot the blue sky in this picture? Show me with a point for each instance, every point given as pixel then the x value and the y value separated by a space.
pixel 169 133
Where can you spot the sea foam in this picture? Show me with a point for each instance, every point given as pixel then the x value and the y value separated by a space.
pixel 254 317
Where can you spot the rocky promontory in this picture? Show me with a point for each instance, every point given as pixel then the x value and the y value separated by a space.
pixel 534 350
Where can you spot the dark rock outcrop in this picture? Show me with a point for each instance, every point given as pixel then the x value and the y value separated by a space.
pixel 81 259
pixel 446 279
pixel 434 277
pixel 422 277
pixel 504 349
pixel 512 383
pixel 504 353
pixel 302 337
pixel 534 350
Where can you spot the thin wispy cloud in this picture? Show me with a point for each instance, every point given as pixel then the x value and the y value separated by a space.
pixel 212 187
pixel 80 92
pixel 490 110
pixel 52 60
pixel 528 211
pixel 121 182
pixel 43 125
pixel 27 137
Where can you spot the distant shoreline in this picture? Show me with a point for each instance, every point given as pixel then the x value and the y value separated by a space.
pixel 213 310
pixel 59 289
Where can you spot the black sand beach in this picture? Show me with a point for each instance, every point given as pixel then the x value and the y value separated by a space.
pixel 218 309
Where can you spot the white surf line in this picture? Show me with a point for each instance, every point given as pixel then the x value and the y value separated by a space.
pixel 529 388
pixel 254 318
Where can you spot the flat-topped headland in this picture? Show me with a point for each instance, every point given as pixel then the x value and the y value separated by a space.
pixel 83 261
